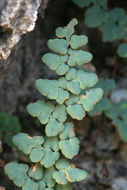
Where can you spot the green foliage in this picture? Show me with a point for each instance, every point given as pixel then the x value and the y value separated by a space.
pixel 12 169
pixel 75 93
pixel 35 109
pixel 58 45
pixel 68 144
pixel 69 174
pixel 36 173
pixel 76 111
pixel 95 16
pixel 117 112
pixel 122 50
pixel 78 41
pixel 107 85
pixel 83 3
pixel 9 125
pixel 90 99
pixel 112 23
pixel 29 142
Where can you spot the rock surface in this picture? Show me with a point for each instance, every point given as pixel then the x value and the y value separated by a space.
pixel 119 184
pixel 118 95
pixel 24 65
pixel 17 17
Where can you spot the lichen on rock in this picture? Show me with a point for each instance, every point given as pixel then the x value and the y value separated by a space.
pixel 17 17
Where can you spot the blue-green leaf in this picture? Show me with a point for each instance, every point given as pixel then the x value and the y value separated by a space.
pixel 122 50
pixel 54 127
pixel 76 111
pixel 36 172
pixel 58 45
pixel 28 143
pixel 90 99
pixel 17 173
pixel 95 16
pixel 69 147
pixel 42 110
pixel 78 41
pixel 47 88
pixel 79 57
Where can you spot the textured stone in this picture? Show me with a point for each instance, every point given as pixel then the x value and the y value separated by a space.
pixel 17 17
pixel 118 95
pixel 119 184
pixel 24 64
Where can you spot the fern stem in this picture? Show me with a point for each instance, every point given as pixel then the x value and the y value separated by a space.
pixel 115 68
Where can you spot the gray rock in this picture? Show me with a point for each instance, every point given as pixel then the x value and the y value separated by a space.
pixel 118 95
pixel 119 184
pixel 17 66
pixel 24 65
pixel 17 17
